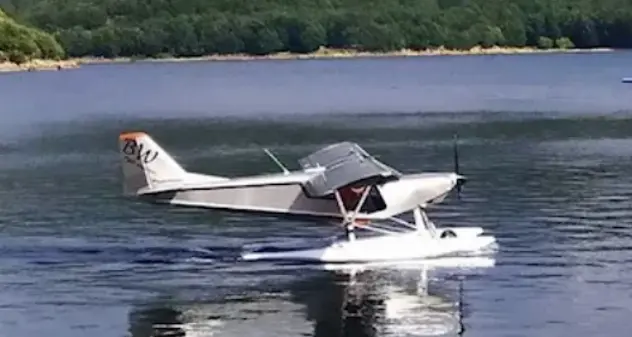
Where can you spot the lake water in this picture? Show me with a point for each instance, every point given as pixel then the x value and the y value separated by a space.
pixel 545 140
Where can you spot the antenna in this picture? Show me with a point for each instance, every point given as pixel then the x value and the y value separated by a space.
pixel 285 171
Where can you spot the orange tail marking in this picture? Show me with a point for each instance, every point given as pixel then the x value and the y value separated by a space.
pixel 131 135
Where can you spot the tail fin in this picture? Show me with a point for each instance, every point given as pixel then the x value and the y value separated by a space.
pixel 145 163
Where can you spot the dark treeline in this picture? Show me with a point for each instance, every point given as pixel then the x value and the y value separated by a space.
pixel 155 28
pixel 19 43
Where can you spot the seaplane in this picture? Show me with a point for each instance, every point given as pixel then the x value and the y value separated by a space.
pixel 340 183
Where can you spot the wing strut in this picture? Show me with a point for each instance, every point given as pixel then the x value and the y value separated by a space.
pixel 422 223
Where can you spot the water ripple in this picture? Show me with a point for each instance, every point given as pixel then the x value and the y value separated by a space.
pixel 554 191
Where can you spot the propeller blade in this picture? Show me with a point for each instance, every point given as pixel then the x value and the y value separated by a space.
pixel 460 181
pixel 456 155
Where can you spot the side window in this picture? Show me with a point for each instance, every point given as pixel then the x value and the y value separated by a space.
pixel 351 197
pixel 374 201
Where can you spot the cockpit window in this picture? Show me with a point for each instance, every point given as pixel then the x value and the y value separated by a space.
pixel 351 197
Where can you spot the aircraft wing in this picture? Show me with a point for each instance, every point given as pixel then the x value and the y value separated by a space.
pixel 201 181
pixel 344 164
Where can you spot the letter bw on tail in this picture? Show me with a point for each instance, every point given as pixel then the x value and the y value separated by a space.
pixel 135 153
pixel 145 163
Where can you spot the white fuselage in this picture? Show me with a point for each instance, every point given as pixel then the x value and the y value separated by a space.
pixel 315 190
pixel 283 194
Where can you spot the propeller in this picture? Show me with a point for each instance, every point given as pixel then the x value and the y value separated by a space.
pixel 460 180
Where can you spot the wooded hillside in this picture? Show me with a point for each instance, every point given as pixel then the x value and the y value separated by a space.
pixel 151 28
pixel 19 43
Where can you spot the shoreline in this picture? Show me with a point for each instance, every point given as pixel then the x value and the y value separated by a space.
pixel 322 53
pixel 325 53
pixel 39 65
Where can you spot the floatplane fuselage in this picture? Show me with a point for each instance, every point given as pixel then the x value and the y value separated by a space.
pixel 339 182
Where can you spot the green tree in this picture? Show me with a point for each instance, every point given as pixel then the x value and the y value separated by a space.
pixel 20 43
pixel 198 27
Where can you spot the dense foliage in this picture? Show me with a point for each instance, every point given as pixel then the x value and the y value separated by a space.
pixel 197 27
pixel 19 43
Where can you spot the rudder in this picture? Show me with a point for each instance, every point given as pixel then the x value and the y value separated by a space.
pixel 145 163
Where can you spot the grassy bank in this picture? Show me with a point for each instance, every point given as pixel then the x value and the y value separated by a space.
pixel 38 65
pixel 25 48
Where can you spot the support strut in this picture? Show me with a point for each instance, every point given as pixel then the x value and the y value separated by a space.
pixel 349 217
pixel 422 223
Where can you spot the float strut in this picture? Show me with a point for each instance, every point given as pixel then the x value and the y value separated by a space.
pixel 350 232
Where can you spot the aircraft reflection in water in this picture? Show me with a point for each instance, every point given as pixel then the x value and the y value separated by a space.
pixel 343 301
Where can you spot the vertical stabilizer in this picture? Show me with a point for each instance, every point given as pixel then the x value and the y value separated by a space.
pixel 145 163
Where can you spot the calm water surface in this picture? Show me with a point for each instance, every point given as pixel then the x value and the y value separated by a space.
pixel 545 140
